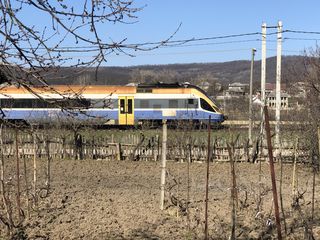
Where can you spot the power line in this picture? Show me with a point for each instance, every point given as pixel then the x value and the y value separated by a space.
pixel 191 52
pixel 302 32
pixel 175 43
pixel 95 48
pixel 302 39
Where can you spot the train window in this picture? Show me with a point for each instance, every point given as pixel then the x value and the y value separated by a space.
pixel 104 103
pixel 166 103
pixel 205 105
pixel 192 103
pixel 23 103
pixel 6 103
pixel 72 103
pixel 122 108
pixel 40 103
pixel 156 106
pixel 44 103
pixel 144 103
pixel 16 103
pixel 173 103
pixel 129 106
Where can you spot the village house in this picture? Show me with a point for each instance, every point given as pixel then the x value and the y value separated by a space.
pixel 271 100
pixel 236 90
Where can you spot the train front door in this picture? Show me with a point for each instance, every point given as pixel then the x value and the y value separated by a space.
pixel 126 110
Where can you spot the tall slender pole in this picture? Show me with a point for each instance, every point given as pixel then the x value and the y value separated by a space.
pixel 263 71
pixel 250 97
pixel 18 175
pixel 278 87
pixel 207 182
pixel 163 162
pixel 35 168
pixel 272 172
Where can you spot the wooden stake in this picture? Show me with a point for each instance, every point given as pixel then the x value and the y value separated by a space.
pixel 272 172
pixel 207 181
pixel 234 194
pixel 163 163
pixel 35 169
pixel 294 171
pixel 280 191
pixel 26 183
pixel 5 200
pixel 48 170
pixel 188 181
pixel 18 176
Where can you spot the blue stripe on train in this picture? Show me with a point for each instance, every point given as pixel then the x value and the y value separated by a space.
pixel 179 114
pixel 110 114
pixel 57 113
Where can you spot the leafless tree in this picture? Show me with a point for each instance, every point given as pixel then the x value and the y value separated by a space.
pixel 312 84
pixel 30 53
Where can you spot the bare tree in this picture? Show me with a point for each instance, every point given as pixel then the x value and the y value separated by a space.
pixel 312 84
pixel 29 53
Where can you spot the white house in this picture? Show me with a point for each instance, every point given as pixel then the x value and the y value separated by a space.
pixel 271 100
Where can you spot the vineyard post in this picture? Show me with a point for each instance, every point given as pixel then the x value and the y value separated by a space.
pixel 35 168
pixel 163 162
pixel 294 171
pixel 18 175
pixel 272 172
pixel 233 188
pixel 207 180
pixel 5 200
pixel 26 182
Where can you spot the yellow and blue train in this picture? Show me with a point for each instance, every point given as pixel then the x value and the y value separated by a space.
pixel 118 105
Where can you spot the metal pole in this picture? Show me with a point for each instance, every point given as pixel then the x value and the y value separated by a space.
pixel 263 72
pixel 278 88
pixel 163 162
pixel 250 97
pixel 207 181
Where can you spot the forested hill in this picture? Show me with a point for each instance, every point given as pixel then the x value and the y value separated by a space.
pixel 225 72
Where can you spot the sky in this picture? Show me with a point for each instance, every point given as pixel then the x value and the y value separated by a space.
pixel 160 19
pixel 210 18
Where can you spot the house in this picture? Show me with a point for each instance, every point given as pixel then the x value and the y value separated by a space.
pixel 271 100
pixel 270 87
pixel 236 90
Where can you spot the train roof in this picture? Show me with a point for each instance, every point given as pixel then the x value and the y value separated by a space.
pixel 67 89
pixel 102 89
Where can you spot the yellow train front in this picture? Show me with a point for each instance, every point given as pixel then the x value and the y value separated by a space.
pixel 118 105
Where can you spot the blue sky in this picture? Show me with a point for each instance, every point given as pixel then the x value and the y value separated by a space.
pixel 207 18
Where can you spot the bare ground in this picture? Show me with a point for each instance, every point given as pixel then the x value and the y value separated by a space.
pixel 120 200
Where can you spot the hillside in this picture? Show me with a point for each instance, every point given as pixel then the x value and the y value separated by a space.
pixel 224 73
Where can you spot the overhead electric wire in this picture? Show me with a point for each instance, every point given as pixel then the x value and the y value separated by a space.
pixel 160 43
pixel 189 42
pixel 191 52
pixel 302 32
pixel 173 42
pixel 302 39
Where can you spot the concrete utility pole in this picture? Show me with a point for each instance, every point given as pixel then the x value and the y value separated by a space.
pixel 250 97
pixel 263 65
pixel 163 162
pixel 278 87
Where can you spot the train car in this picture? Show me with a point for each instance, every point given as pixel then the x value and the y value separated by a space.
pixel 117 105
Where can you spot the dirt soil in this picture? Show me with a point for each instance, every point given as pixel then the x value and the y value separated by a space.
pixel 95 199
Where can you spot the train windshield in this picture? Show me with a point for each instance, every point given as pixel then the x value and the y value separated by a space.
pixel 205 105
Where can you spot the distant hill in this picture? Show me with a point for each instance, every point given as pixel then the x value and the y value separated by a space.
pixel 224 73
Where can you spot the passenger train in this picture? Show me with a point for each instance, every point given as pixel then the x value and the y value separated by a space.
pixel 117 105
